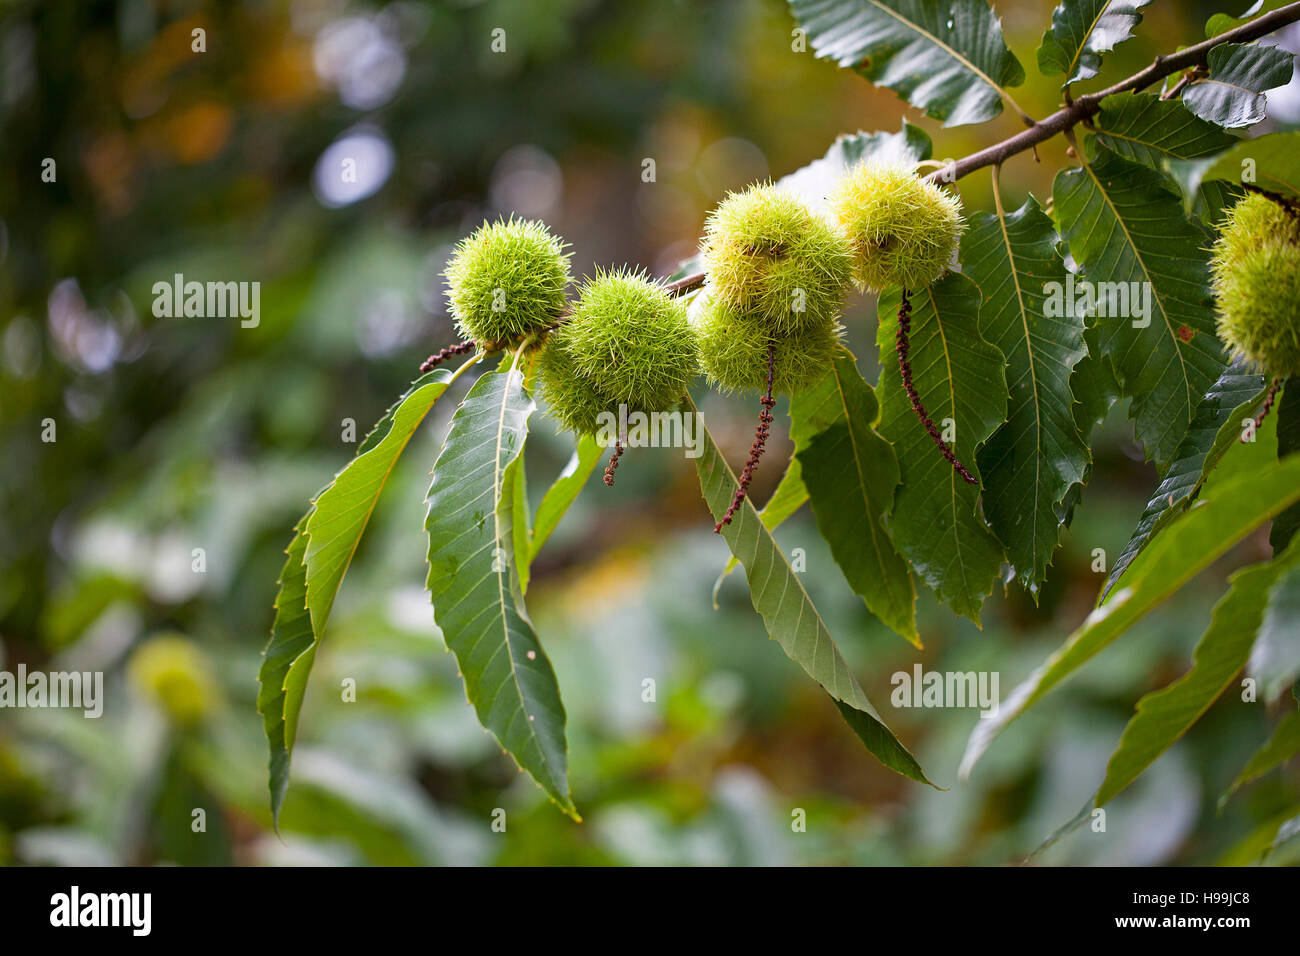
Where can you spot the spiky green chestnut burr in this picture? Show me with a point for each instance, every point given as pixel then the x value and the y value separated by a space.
pixel 572 399
pixel 768 255
pixel 1256 276
pixel 734 351
pixel 506 280
pixel 903 230
pixel 631 340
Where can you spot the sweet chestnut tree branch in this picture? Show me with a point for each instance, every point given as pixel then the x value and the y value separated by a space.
pixel 1085 107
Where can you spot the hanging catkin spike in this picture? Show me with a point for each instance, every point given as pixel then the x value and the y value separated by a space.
pixel 433 361
pixel 760 442
pixel 903 346
pixel 613 464
pixel 1274 387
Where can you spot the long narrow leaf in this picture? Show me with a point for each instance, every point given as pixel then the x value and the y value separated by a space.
pixel 1186 548
pixel 1215 427
pixel 789 614
pixel 936 521
pixel 474 585
pixel 1282 746
pixel 342 510
pixel 1033 459
pixel 563 492
pixel 1164 716
pixel 324 542
pixel 851 474
pixel 291 637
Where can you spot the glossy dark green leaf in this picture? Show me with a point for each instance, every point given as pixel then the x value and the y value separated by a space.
pixel 1165 715
pixel 960 378
pixel 851 473
pixel 1094 386
pixel 1146 129
pixel 948 59
pixel 1189 545
pixel 1081 31
pixel 792 620
pixel 474 584
pixel 1215 426
pixel 1095 390
pixel 1125 228
pixel 1232 95
pixel 1032 460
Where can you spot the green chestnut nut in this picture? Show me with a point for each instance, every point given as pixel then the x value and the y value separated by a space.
pixel 631 341
pixel 507 280
pixel 627 343
pixel 734 349
pixel 768 255
pixel 903 229
pixel 1255 268
pixel 572 399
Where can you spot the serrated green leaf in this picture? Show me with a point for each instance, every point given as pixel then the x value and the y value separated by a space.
pixel 564 491
pixel 1095 391
pixel 1188 546
pixel 341 512
pixel 1283 745
pixel 1214 428
pixel 322 547
pixel 948 59
pixel 959 376
pixel 1232 95
pixel 1031 460
pixel 474 585
pixel 1164 716
pixel 792 620
pixel 1275 663
pixel 1094 387
pixel 1288 442
pixel 851 473
pixel 291 637
pixel 1270 162
pixel 1081 31
pixel 787 498
pixel 1148 130
pixel 1123 225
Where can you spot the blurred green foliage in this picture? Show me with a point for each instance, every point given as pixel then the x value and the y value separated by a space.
pixel 177 434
